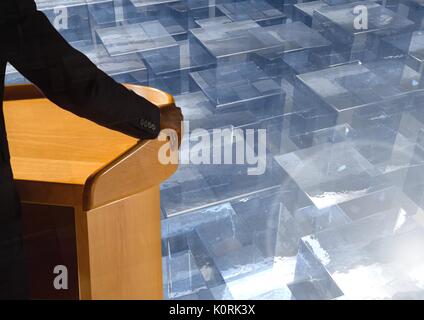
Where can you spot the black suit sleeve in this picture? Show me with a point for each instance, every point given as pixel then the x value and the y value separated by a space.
pixel 70 79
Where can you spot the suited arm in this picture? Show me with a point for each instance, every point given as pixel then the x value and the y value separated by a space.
pixel 72 81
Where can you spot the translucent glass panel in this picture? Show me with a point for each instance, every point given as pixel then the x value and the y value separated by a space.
pixel 231 41
pixel 127 65
pixel 133 38
pixel 196 184
pixel 243 84
pixel 377 257
pixel 304 11
pixel 331 173
pixel 71 18
pixel 354 90
pixel 412 9
pixel 256 10
pixel 342 26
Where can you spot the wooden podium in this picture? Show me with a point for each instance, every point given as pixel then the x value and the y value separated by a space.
pixel 90 200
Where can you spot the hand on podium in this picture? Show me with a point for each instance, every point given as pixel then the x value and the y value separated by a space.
pixel 171 129
pixel 171 118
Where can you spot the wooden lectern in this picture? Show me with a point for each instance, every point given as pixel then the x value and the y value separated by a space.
pixel 90 200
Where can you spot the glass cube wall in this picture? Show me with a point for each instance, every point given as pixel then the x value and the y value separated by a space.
pixel 337 85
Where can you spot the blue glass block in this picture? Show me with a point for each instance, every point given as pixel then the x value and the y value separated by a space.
pixel 104 14
pixel 298 45
pixel 156 10
pixel 169 69
pixel 198 110
pixel 180 235
pixel 184 277
pixel 267 283
pixel 378 143
pixel 276 231
pixel 389 151
pixel 389 4
pixel 243 86
pixel 210 22
pixel 276 294
pixel 411 124
pixel 281 139
pixel 127 67
pixel 197 261
pixel 283 241
pixel 257 10
pixel 417 106
pixel 413 185
pixel 400 75
pixel 51 4
pixel 370 118
pixel 311 119
pixel 187 190
pixel 412 49
pixel 174 241
pixel 178 227
pixel 330 173
pixel 229 181
pixel 338 2
pixel 186 13
pixel 221 293
pixel 311 280
pixel 377 257
pixel 337 23
pixel 396 46
pixel 312 220
pixel 263 213
pixel 278 139
pixel 231 246
pixel 378 201
pixel 354 89
pixel 224 235
pixel 136 38
pixel 334 134
pixel 245 40
pixel 166 60
pixel 413 10
pixel 205 261
pixel 173 27
pixel 304 11
pixel 308 60
pixel 198 4
pixel 410 159
pixel 240 261
pixel 146 9
pixel 69 17
pixel 233 181
pixel 217 43
pixel 180 12
pixel 285 6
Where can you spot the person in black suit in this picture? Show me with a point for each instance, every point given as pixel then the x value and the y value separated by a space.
pixel 30 43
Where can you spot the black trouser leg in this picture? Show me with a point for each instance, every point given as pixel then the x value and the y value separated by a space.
pixel 13 273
